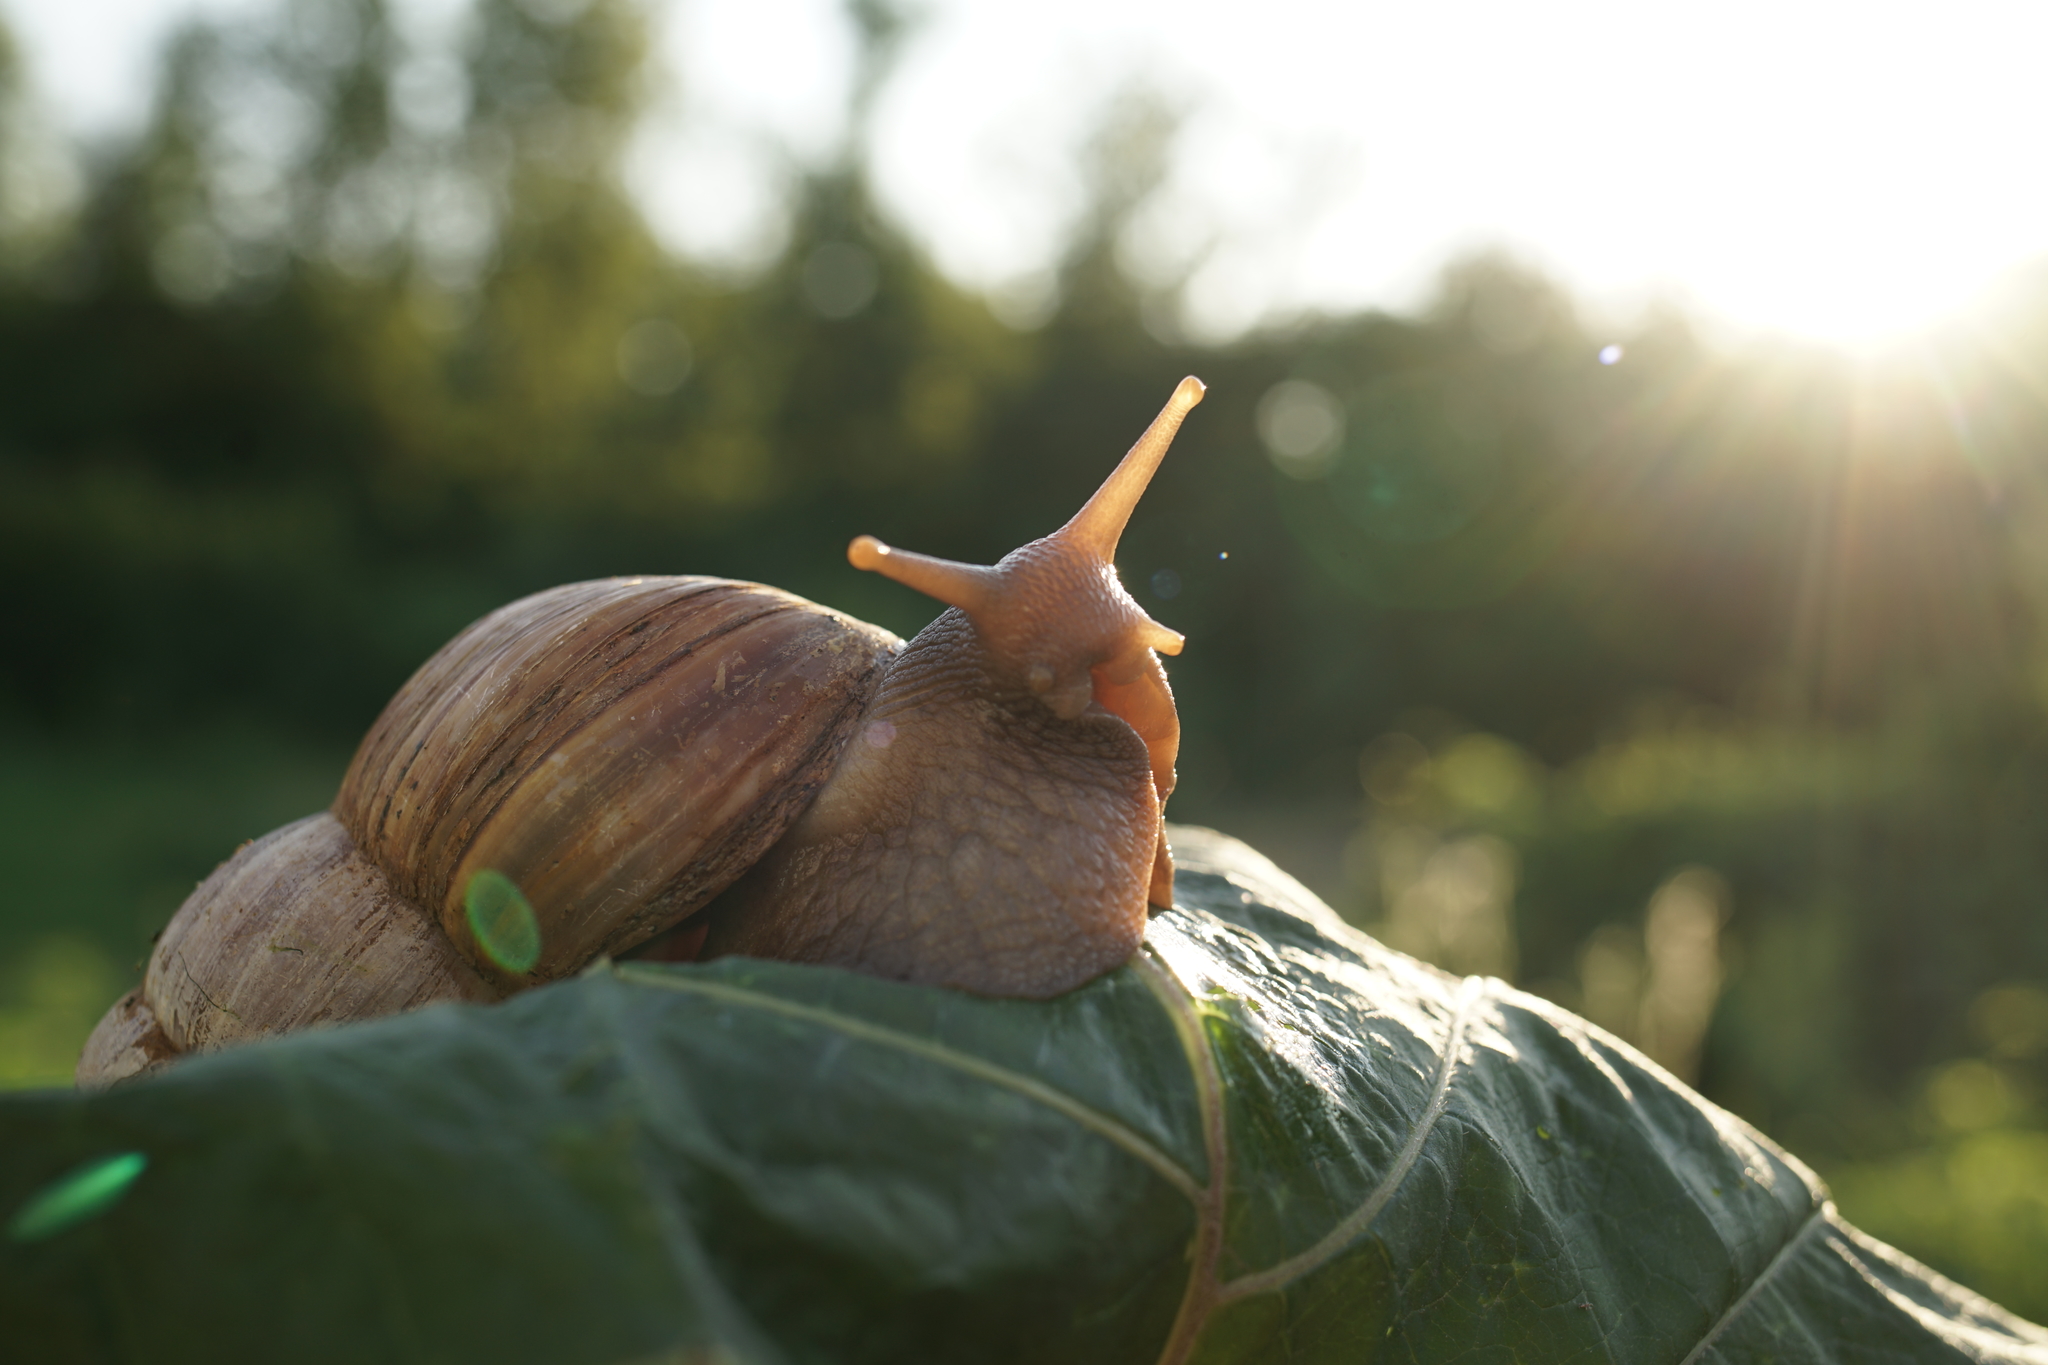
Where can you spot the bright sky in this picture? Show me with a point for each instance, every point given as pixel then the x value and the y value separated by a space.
pixel 1843 171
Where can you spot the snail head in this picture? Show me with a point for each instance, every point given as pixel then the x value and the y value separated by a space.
pixel 1052 614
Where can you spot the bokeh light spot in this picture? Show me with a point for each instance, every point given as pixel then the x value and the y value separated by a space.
pixel 654 357
pixel 1610 355
pixel 839 279
pixel 2012 1020
pixel 1302 427
pixel 1970 1094
pixel 90 1190
pixel 502 921
pixel 1166 585
pixel 1488 775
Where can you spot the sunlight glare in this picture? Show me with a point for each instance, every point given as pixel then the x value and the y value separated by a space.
pixel 1839 172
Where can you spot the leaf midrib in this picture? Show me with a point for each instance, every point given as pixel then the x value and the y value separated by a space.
pixel 1355 1224
pixel 1205 1294
pixel 1095 1121
pixel 1785 1253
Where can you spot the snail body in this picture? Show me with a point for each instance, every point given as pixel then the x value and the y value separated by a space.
pixel 592 766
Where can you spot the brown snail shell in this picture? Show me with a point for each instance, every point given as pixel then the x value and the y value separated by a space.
pixel 587 767
pixel 620 750
pixel 297 929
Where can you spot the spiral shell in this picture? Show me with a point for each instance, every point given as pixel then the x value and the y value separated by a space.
pixel 613 752
pixel 619 750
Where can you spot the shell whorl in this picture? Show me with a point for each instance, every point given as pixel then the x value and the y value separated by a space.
pixel 619 751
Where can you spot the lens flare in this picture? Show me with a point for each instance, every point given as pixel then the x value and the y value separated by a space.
pixel 502 921
pixel 1302 426
pixel 85 1193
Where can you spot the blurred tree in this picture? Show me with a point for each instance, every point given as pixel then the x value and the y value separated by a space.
pixel 10 138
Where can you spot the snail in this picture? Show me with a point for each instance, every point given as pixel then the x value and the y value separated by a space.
pixel 728 768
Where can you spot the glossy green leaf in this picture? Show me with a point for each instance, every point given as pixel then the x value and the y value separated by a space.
pixel 1268 1139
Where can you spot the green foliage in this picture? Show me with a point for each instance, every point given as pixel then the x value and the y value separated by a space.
pixel 1267 1139
pixel 1657 872
pixel 100 843
pixel 58 988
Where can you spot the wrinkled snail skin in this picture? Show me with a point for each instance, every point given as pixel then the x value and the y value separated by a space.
pixel 970 837
pixel 979 808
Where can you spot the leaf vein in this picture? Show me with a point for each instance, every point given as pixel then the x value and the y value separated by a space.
pixel 1040 1093
pixel 1199 1299
pixel 1814 1220
pixel 1361 1218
